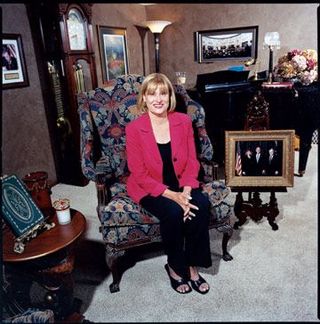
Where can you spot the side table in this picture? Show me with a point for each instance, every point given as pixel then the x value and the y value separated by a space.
pixel 48 259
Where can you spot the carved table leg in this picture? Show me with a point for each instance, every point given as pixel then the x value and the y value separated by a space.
pixel 59 296
pixel 257 210
pixel 239 212
pixel 272 211
pixel 59 284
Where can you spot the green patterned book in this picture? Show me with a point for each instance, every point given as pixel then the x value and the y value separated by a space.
pixel 18 209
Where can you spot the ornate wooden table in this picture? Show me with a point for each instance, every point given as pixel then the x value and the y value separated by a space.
pixel 254 208
pixel 47 259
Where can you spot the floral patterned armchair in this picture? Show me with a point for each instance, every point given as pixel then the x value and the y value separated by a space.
pixel 104 113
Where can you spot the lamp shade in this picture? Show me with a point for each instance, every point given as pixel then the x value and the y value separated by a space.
pixel 272 39
pixel 157 26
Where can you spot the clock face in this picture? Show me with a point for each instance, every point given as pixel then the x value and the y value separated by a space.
pixel 76 30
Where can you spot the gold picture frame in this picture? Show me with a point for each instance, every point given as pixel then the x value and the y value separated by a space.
pixel 239 144
pixel 113 52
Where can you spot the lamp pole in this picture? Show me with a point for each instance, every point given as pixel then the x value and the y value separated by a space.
pixel 270 78
pixel 157 51
pixel 271 41
pixel 156 27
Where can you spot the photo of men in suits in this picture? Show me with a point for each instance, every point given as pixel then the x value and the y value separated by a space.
pixel 259 168
pixel 258 158
pixel 273 165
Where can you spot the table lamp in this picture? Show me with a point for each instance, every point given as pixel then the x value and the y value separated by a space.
pixel 271 41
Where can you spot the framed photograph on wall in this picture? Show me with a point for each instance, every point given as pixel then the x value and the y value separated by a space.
pixel 259 158
pixel 14 72
pixel 113 52
pixel 226 44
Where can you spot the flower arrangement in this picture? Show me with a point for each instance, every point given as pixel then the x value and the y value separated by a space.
pixel 300 65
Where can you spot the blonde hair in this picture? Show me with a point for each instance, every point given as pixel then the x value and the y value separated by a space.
pixel 149 86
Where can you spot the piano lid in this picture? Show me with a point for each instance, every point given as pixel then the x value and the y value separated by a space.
pixel 221 79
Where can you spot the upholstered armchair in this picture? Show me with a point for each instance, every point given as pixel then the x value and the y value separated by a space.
pixel 104 113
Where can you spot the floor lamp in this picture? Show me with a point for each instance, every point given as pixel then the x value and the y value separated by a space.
pixel 156 27
pixel 272 41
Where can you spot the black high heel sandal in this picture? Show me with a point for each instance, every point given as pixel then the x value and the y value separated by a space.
pixel 197 283
pixel 175 283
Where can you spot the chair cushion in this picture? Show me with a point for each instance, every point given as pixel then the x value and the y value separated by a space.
pixel 216 191
pixel 123 221
pixel 123 211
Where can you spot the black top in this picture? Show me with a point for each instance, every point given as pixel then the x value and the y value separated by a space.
pixel 168 174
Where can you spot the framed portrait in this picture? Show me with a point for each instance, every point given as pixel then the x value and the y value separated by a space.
pixel 14 72
pixel 113 51
pixel 226 44
pixel 262 158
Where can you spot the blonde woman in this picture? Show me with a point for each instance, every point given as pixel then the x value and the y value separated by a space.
pixel 163 179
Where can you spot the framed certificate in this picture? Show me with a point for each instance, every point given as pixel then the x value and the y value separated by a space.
pixel 18 209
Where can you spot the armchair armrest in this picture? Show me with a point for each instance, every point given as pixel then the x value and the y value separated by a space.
pixel 86 136
pixel 103 194
pixel 210 169
pixel 104 176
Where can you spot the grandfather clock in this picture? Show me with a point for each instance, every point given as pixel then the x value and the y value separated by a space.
pixel 63 42
pixel 76 35
pixel 78 56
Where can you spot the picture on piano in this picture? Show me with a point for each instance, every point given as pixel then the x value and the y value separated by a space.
pixel 259 158
pixel 226 44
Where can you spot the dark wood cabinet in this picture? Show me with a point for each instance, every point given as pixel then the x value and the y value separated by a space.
pixel 62 35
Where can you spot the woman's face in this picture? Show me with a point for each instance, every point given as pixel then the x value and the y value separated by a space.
pixel 157 102
pixel 6 56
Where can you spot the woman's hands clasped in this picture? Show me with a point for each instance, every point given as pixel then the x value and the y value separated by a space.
pixel 187 207
pixel 183 199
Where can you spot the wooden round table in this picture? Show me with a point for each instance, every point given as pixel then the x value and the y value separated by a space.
pixel 47 242
pixel 39 262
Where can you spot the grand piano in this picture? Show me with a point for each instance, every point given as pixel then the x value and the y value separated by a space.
pixel 226 94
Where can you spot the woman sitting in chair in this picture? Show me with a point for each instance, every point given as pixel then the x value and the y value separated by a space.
pixel 163 179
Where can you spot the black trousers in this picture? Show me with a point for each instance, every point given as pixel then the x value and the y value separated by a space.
pixel 185 243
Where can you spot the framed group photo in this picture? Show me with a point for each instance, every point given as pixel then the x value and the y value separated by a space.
pixel 239 43
pixel 14 72
pixel 259 158
pixel 113 52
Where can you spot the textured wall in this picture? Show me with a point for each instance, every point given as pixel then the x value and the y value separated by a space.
pixel 25 139
pixel 125 16
pixel 296 23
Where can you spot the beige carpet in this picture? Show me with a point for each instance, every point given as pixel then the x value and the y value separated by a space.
pixel 273 277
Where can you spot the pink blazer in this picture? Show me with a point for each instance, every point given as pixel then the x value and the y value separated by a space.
pixel 144 159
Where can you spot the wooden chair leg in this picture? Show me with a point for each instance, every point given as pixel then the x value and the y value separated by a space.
pixel 112 259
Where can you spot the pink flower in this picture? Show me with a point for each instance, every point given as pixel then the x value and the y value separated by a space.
pixel 298 64
pixel 311 64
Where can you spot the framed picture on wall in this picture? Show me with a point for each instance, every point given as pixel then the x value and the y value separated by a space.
pixel 113 52
pixel 259 158
pixel 239 43
pixel 14 72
